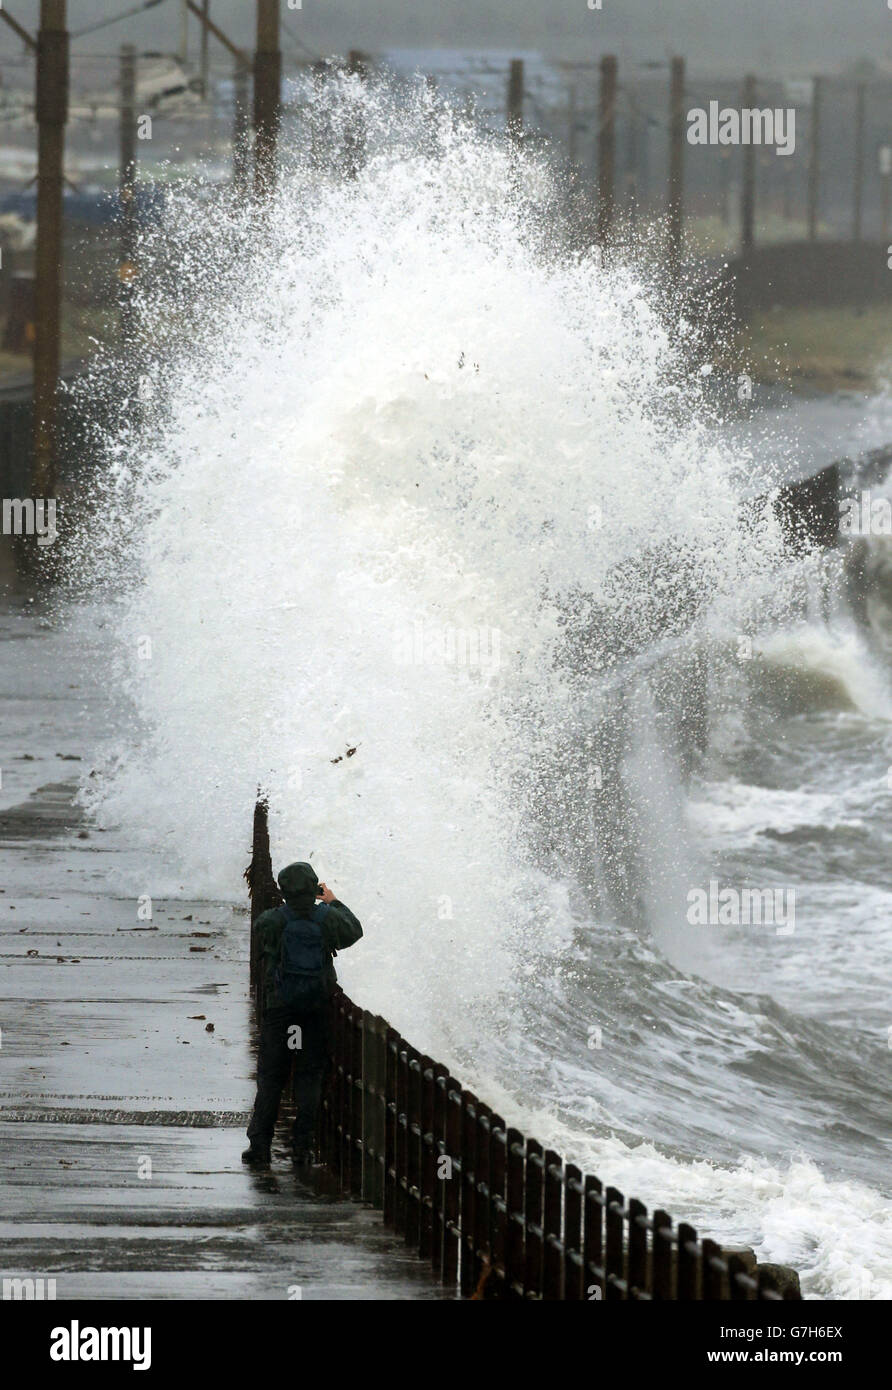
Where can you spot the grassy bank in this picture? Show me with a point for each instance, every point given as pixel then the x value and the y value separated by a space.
pixel 817 349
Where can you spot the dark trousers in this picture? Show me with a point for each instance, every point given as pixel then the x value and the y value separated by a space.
pixel 278 1049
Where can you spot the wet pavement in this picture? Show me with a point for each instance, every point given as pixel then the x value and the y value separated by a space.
pixel 126 1058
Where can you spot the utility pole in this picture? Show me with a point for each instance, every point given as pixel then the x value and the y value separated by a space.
pixel 885 159
pixel 267 85
pixel 514 123
pixel 632 165
pixel 675 205
pixel 241 129
pixel 814 159
pixel 606 146
pixel 17 28
pixel 748 188
pixel 204 39
pixel 725 191
pixel 354 130
pixel 127 186
pixel 858 191
pixel 184 32
pixel 572 140
pixel 241 125
pixel 52 114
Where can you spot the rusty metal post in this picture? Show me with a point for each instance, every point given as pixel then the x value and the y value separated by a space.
pixel 267 88
pixel 52 114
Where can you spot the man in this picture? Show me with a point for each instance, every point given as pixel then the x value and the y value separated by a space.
pixel 295 945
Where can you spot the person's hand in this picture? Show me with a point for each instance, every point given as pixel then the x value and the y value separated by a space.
pixel 325 893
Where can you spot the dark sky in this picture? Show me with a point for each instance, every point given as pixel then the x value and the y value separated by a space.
pixel 728 35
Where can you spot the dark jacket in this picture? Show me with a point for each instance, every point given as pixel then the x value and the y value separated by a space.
pixel 340 929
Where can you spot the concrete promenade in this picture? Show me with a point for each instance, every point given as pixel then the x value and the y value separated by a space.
pixel 126 1064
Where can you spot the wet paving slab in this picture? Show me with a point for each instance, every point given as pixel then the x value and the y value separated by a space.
pixel 126 1054
pixel 166 1212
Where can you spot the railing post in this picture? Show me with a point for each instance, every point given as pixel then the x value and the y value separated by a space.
pixel 553 1254
pixel 413 1153
pixel 533 1219
pixel 369 1091
pixel 427 1176
pixel 452 1183
pixel 326 1150
pixel 661 1257
pixel 713 1274
pixel 339 1087
pixel 391 1121
pixel 687 1263
pixel 573 1272
pixel 515 1158
pixel 593 1239
pixel 482 1191
pixel 614 1262
pixel 468 1189
pixel 498 1209
pixel 741 1286
pixel 356 1081
pixel 637 1275
pixel 379 1127
pixel 438 1150
pixel 402 1100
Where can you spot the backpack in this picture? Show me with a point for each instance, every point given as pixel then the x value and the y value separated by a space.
pixel 300 974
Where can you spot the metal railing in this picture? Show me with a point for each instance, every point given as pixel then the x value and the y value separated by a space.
pixel 493 1213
